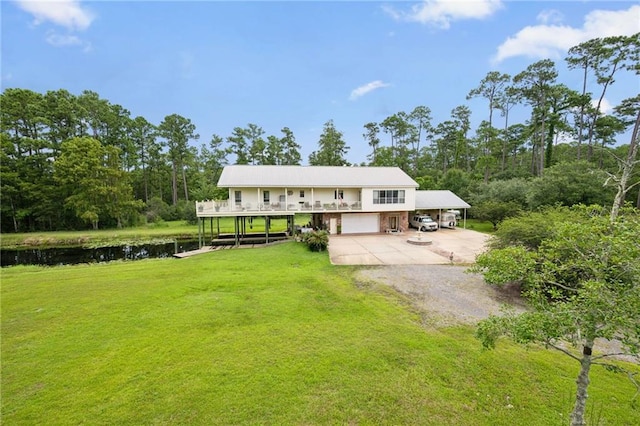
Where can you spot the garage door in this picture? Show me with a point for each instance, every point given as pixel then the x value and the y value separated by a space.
pixel 357 223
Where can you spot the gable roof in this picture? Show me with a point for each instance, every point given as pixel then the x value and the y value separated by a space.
pixel 442 199
pixel 314 176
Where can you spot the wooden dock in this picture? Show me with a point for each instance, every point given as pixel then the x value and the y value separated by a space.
pixel 205 249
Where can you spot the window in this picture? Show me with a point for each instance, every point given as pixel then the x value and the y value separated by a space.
pixel 338 195
pixel 388 196
pixel 301 194
pixel 238 197
pixel 265 197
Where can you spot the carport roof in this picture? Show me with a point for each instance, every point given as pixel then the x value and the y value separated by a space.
pixel 443 199
pixel 314 176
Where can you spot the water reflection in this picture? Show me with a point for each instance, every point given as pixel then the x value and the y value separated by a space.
pixel 73 255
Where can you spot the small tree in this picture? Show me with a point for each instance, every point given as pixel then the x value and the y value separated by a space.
pixel 582 284
pixel 495 211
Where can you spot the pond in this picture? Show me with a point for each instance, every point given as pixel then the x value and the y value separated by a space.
pixel 72 255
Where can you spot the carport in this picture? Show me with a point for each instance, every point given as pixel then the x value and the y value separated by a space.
pixel 430 201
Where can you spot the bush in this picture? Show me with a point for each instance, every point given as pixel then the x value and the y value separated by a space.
pixel 316 240
pixel 530 229
pixel 157 209
pixel 187 210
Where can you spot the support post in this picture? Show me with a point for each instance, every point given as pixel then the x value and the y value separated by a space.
pixel 266 229
pixel 236 230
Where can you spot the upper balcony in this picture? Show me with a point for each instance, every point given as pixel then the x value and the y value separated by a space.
pixel 224 208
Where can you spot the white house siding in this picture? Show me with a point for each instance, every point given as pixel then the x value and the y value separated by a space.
pixel 409 200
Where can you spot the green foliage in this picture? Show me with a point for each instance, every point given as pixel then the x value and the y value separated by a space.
pixel 426 183
pixel 513 190
pixel 316 240
pixel 456 180
pixel 95 186
pixel 531 228
pixel 331 148
pixel 157 209
pixel 568 184
pixel 582 283
pixel 495 211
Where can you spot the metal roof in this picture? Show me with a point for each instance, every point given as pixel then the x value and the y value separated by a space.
pixel 443 199
pixel 314 176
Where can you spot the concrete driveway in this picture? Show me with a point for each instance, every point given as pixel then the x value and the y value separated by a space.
pixel 393 249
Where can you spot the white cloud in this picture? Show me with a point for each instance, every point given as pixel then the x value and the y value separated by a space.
pixel 364 89
pixel 552 41
pixel 67 13
pixel 550 16
pixel 440 13
pixel 605 105
pixel 58 40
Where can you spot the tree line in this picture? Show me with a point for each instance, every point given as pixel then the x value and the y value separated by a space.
pixel 71 161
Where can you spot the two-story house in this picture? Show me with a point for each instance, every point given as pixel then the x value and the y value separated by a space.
pixel 340 199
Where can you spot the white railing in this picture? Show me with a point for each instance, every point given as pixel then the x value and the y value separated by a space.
pixel 213 208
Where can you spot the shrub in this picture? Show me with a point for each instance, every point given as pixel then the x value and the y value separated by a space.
pixel 316 240
pixel 157 209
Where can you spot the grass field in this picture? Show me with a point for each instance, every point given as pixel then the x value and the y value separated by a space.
pixel 480 226
pixel 151 233
pixel 273 335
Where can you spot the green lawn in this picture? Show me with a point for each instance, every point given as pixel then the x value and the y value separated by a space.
pixel 478 225
pixel 273 335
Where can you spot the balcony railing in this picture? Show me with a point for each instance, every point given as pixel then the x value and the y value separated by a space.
pixel 213 208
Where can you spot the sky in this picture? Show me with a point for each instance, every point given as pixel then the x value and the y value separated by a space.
pixel 298 64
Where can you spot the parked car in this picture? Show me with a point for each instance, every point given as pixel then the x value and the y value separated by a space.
pixel 423 223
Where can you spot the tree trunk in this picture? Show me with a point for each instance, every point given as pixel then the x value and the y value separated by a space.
pixel 549 151
pixel 577 416
pixel 184 183
pixel 174 184
pixel 627 170
pixel 542 146
pixel 146 183
pixel 581 121
pixel 15 221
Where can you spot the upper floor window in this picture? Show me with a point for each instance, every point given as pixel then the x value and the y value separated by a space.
pixel 301 194
pixel 338 195
pixel 265 197
pixel 388 196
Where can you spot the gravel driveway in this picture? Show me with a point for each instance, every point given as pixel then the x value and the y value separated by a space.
pixel 445 293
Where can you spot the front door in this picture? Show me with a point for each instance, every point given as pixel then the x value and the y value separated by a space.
pixel 394 223
pixel 333 226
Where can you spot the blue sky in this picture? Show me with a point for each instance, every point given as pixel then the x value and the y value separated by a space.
pixel 297 63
